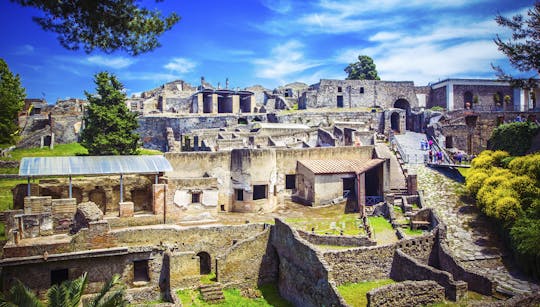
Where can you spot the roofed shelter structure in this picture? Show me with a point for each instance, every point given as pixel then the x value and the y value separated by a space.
pixel 322 182
pixel 33 167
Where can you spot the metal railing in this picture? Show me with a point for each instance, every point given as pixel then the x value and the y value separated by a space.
pixel 373 200
pixel 395 145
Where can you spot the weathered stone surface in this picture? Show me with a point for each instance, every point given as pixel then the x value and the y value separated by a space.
pixel 407 293
pixel 126 209
pixel 86 212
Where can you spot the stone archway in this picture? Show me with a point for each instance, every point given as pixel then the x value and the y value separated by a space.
pixel 205 263
pixel 394 122
pixel 404 105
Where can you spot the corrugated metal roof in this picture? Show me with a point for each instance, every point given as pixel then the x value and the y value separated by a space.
pixel 340 166
pixel 93 165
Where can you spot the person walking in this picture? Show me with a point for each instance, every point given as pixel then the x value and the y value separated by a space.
pixel 430 154
pixel 430 143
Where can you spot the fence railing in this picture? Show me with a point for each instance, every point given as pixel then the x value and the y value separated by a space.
pixel 395 145
pixel 373 200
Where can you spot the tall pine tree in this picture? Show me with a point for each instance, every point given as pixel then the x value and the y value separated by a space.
pixel 12 96
pixel 109 126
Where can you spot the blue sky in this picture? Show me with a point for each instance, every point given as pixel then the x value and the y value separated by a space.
pixel 271 42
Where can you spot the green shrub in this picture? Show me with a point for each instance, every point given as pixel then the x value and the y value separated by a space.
pixel 527 165
pixel 475 180
pixel 514 138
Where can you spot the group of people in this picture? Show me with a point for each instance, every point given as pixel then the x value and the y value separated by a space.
pixel 435 156
pixel 425 145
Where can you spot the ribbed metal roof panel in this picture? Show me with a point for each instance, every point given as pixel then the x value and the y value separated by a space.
pixel 340 166
pixel 93 165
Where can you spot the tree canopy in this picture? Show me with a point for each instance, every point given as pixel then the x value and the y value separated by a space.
pixel 523 49
pixel 105 25
pixel 364 69
pixel 12 96
pixel 109 126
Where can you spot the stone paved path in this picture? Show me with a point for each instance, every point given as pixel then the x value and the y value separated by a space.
pixel 470 235
pixel 410 143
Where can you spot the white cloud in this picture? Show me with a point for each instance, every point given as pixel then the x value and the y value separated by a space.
pixel 180 65
pixel 152 76
pixel 25 49
pixel 284 61
pixel 278 6
pixel 111 62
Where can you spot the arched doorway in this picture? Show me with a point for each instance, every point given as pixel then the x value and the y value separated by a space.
pixel 404 105
pixel 205 263
pixel 467 100
pixel 394 122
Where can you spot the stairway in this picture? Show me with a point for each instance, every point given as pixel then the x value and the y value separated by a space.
pixel 212 293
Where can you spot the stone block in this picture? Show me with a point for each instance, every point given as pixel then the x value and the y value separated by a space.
pixel 37 204
pixel 63 213
pixel 126 209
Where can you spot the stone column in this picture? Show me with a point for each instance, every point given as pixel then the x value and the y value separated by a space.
pixel 235 103
pixel 412 186
pixel 361 197
pixel 200 103
pixel 214 103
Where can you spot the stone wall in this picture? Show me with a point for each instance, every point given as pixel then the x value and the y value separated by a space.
pixel 100 265
pixel 249 263
pixel 362 93
pixel 372 263
pixel 405 267
pixel 153 128
pixel 407 293
pixel 214 240
pixel 437 98
pixel 336 240
pixel 303 274
pixel 475 282
pixel 484 94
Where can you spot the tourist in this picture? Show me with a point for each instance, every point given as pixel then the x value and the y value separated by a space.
pixel 439 157
pixel 430 153
pixel 459 157
pixel 430 143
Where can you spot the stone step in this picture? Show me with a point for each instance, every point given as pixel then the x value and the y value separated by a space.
pixel 212 293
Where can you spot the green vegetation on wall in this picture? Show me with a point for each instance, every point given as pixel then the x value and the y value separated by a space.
pixel 515 138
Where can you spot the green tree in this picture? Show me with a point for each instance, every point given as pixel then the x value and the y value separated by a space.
pixel 67 294
pixel 104 25
pixel 364 69
pixel 12 96
pixel 109 126
pixel 523 49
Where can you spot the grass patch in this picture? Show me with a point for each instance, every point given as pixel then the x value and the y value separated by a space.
pixel 348 223
pixel 410 232
pixel 208 278
pixel 464 171
pixel 145 151
pixel 398 209
pixel 6 197
pixel 71 149
pixel 9 170
pixel 380 224
pixel 3 236
pixel 355 293
pixel 334 247
pixel 233 298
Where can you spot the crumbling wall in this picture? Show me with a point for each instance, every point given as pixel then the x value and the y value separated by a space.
pixel 249 263
pixel 405 294
pixel 351 241
pixel 371 263
pixel 405 267
pixel 303 273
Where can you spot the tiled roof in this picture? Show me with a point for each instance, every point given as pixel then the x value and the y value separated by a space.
pixel 340 166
